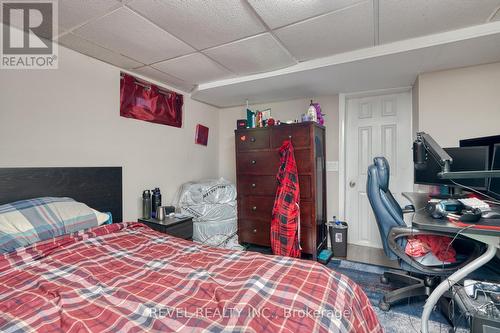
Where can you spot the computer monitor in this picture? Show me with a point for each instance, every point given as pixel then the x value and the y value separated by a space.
pixel 489 141
pixel 464 159
pixel 494 188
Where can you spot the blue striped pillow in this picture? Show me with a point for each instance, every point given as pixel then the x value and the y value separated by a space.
pixel 29 221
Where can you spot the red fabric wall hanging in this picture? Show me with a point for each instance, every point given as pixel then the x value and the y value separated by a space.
pixel 201 136
pixel 285 223
pixel 144 101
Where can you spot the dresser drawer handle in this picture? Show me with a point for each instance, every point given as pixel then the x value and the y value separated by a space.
pixel 289 136
pixel 254 231
pixel 254 162
pixel 254 185
pixel 254 208
pixel 252 139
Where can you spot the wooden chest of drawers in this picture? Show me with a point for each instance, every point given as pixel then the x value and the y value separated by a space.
pixel 257 163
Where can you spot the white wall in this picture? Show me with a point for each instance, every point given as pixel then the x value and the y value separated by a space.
pixel 287 110
pixel 70 117
pixel 460 103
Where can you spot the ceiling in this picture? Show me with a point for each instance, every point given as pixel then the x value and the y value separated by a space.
pixel 357 71
pixel 197 45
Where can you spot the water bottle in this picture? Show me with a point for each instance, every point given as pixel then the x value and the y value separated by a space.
pixel 146 204
pixel 156 201
pixel 337 222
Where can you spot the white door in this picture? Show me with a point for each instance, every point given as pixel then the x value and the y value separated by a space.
pixel 375 126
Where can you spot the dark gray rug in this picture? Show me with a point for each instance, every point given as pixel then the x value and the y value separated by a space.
pixel 403 317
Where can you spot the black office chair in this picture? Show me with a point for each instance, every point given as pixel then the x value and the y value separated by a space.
pixel 394 233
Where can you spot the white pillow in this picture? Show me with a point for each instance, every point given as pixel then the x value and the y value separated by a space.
pixel 101 217
pixel 28 221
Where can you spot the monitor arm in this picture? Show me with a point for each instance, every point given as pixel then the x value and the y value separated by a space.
pixel 433 148
pixel 426 144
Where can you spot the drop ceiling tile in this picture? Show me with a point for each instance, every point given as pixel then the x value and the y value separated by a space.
pixel 403 19
pixel 83 46
pixel 72 13
pixel 194 68
pixel 252 55
pixel 278 13
pixel 169 80
pixel 458 54
pixel 125 32
pixel 341 31
pixel 201 23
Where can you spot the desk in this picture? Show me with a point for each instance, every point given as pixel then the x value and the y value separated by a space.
pixel 423 221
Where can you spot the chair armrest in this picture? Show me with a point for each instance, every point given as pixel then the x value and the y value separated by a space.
pixel 408 209
pixel 398 232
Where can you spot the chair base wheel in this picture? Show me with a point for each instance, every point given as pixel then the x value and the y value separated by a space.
pixel 382 305
pixel 384 279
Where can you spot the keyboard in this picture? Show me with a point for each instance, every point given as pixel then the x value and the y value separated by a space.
pixel 475 203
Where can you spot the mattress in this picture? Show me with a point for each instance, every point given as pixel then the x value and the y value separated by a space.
pixel 126 277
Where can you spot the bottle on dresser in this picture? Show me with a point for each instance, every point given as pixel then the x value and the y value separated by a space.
pixel 146 204
pixel 156 201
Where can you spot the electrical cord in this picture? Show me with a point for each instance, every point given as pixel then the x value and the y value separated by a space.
pixel 493 200
pixel 455 237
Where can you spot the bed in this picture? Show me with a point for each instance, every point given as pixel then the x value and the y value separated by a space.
pixel 125 277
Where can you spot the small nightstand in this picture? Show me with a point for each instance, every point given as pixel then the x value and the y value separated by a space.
pixel 178 227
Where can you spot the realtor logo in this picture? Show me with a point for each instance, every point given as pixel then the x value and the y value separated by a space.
pixel 28 28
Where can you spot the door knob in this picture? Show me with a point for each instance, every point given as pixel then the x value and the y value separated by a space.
pixel 254 208
pixel 352 183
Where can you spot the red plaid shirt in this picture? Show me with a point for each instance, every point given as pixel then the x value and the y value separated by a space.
pixel 285 224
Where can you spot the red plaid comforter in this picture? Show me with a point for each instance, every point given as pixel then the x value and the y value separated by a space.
pixel 128 278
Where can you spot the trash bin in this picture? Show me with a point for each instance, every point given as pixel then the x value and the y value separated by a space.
pixel 338 238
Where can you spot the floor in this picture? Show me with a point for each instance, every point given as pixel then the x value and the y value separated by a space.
pixel 355 253
pixel 369 255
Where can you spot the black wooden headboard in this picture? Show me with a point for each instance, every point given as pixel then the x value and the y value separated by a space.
pixel 98 187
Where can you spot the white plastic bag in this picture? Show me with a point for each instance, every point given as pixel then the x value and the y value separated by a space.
pixel 210 212
pixel 204 231
pixel 212 204
pixel 212 191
